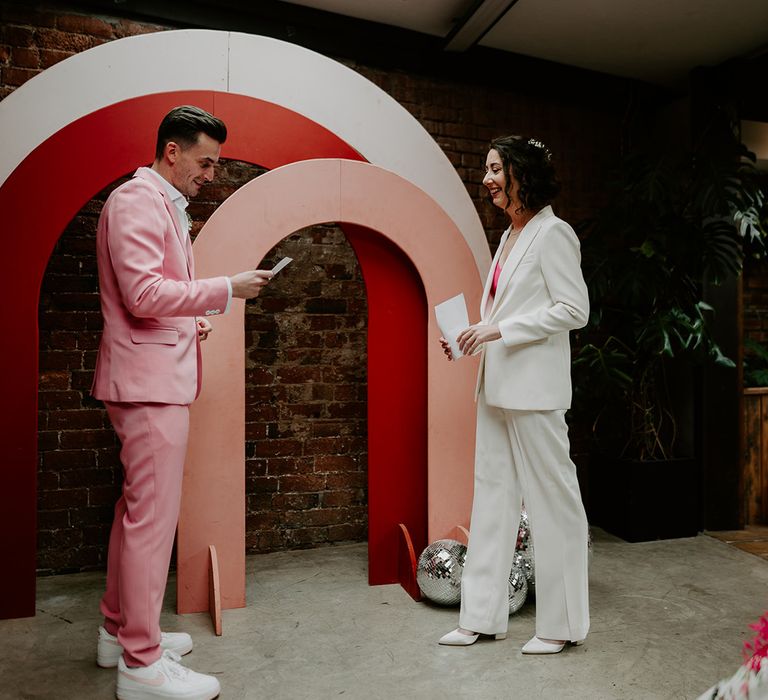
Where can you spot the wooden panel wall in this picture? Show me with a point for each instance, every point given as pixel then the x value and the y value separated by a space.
pixel 756 456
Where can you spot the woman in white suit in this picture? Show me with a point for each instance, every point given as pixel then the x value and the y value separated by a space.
pixel 534 295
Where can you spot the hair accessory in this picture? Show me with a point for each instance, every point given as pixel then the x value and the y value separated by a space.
pixel 539 144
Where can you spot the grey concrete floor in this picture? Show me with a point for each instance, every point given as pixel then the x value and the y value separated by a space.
pixel 668 620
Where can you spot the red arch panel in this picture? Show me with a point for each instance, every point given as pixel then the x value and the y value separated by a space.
pixel 397 400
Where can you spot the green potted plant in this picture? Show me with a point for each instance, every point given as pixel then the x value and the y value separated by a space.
pixel 673 219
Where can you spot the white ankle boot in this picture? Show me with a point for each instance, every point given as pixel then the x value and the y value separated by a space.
pixel 459 639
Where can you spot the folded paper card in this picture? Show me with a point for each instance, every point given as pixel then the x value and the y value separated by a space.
pixel 280 265
pixel 452 318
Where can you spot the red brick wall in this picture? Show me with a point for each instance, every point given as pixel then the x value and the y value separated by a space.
pixel 32 40
pixel 306 369
pixel 79 468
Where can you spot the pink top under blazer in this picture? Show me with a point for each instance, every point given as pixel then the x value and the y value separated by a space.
pixel 149 349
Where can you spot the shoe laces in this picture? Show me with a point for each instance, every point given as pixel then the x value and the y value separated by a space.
pixel 172 666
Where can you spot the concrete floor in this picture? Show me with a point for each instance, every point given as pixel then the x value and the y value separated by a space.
pixel 668 620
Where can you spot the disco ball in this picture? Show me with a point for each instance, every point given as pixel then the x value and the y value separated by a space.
pixel 523 531
pixel 525 562
pixel 518 589
pixel 524 557
pixel 439 570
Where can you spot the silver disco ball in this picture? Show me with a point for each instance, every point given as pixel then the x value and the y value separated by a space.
pixel 525 562
pixel 523 531
pixel 439 570
pixel 518 589
pixel 524 551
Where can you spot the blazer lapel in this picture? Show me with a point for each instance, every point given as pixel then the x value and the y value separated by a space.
pixel 170 207
pixel 527 236
pixel 182 235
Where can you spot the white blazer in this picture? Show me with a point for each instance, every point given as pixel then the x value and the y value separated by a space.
pixel 541 296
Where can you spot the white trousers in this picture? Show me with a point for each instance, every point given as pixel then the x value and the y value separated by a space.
pixel 524 456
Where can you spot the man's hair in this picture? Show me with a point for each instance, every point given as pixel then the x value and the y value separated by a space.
pixel 183 125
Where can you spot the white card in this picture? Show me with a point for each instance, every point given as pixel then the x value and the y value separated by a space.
pixel 452 318
pixel 280 265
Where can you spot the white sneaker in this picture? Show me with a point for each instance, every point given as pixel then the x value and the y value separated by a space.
pixel 166 678
pixel 109 650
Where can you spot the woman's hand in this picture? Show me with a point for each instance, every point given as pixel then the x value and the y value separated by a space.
pixel 446 348
pixel 473 337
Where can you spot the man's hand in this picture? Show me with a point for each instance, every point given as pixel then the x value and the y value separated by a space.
pixel 204 327
pixel 473 337
pixel 248 284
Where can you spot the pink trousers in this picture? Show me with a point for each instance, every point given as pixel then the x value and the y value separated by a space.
pixel 154 445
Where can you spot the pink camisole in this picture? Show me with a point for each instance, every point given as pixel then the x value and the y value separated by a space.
pixel 496 275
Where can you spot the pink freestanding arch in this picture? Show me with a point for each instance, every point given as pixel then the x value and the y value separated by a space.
pixel 437 408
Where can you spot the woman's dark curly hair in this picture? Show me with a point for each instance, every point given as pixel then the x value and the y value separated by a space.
pixel 530 163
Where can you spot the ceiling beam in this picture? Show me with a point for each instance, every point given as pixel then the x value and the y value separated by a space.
pixel 476 23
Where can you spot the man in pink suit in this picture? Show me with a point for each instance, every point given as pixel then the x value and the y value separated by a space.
pixel 148 373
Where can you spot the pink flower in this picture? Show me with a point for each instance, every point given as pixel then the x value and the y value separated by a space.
pixel 756 650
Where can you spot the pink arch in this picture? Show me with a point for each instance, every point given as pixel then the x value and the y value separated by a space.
pixel 108 143
pixel 407 435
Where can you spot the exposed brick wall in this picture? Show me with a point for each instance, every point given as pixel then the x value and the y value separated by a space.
pixel 306 372
pixel 32 39
pixel 79 472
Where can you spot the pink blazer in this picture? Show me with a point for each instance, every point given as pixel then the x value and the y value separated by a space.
pixel 149 349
